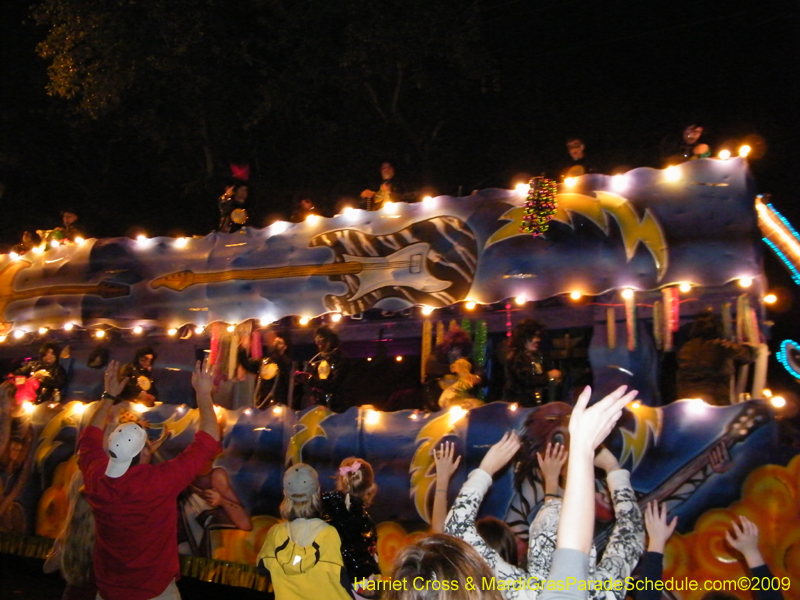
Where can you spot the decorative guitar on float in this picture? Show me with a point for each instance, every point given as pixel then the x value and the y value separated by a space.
pixel 748 420
pixel 751 418
pixel 430 262
pixel 8 295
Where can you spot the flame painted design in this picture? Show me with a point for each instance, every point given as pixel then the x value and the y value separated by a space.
pixel 647 426
pixel 421 467
pixel 596 209
pixel 311 422
pixel 770 497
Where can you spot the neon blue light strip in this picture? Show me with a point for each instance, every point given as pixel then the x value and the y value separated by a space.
pixel 792 269
pixel 784 221
pixel 781 356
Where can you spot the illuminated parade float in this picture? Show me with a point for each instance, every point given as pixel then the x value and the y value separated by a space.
pixel 616 267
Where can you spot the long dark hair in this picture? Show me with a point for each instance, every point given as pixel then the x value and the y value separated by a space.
pixel 49 346
pixel 524 331
pixel 500 538
pixel 327 334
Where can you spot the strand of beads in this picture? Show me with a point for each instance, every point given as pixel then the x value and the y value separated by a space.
pixel 540 206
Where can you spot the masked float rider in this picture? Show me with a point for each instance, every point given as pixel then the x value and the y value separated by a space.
pixel 389 190
pixel 140 386
pixel 328 372
pixel 232 209
pixel 44 375
pixel 272 372
pixel 531 379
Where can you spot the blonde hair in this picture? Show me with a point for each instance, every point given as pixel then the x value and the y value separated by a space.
pixel 78 535
pixel 359 483
pixel 447 565
pixel 304 509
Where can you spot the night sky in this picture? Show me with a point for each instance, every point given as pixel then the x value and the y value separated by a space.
pixel 624 75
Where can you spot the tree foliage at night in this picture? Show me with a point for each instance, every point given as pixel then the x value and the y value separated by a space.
pixel 271 82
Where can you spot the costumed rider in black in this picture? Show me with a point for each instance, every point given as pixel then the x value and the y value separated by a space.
pixel 232 209
pixel 140 386
pixel 327 373
pixel 390 190
pixel 273 371
pixel 50 375
pixel 578 164
pixel 691 146
pixel 529 376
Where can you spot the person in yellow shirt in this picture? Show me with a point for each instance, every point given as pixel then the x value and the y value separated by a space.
pixel 303 554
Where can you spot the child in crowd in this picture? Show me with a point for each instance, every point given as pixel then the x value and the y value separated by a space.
pixel 73 548
pixel 303 554
pixel 346 509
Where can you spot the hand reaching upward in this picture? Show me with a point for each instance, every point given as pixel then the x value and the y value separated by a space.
pixel 551 463
pixel 588 427
pixel 113 385
pixel 446 461
pixel 744 538
pixel 658 529
pixel 498 455
pixel 202 378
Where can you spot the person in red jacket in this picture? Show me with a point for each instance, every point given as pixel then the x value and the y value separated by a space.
pixel 136 505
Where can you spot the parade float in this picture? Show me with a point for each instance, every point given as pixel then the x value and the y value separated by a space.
pixel 615 266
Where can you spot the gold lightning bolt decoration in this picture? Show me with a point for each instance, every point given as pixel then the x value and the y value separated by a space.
pixel 176 423
pixel 311 422
pixel 647 426
pixel 597 208
pixel 422 478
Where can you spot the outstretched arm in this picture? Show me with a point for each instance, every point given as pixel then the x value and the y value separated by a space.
pixel 658 529
pixel 544 528
pixel 113 388
pixel 626 542
pixel 588 427
pixel 446 464
pixel 203 383
pixel 460 521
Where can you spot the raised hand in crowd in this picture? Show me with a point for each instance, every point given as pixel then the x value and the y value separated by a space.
pixel 203 383
pixel 446 461
pixel 744 538
pixel 659 529
pixel 112 388
pixel 113 385
pixel 588 427
pixel 552 463
pixel 500 453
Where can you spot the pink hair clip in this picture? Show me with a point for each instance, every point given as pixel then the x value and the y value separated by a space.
pixel 351 469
